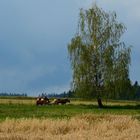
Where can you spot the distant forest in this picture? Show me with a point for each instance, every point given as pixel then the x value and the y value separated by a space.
pixel 13 94
pixel 132 94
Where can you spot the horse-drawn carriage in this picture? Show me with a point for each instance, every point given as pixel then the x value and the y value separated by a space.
pixel 46 101
pixel 42 101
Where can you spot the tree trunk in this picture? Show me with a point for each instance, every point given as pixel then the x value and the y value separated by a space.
pixel 100 105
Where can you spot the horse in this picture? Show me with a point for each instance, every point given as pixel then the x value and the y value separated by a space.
pixel 61 101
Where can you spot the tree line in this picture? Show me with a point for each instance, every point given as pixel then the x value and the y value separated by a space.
pixel 13 94
pixel 131 93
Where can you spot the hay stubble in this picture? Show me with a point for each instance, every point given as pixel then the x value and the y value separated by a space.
pixel 85 127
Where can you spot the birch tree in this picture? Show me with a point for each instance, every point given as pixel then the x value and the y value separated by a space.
pixel 99 58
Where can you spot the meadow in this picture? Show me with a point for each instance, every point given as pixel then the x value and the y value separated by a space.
pixel 79 120
pixel 26 108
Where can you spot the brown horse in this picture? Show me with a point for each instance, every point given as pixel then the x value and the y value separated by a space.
pixel 61 101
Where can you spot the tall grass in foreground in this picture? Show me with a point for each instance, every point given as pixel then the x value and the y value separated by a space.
pixel 85 127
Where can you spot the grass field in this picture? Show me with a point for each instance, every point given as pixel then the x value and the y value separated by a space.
pixel 79 120
pixel 22 108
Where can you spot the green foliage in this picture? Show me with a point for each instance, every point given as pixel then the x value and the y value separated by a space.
pixel 99 59
pixel 135 91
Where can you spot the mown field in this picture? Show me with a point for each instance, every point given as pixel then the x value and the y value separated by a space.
pixel 79 120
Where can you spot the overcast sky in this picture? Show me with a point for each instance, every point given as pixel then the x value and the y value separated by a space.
pixel 33 41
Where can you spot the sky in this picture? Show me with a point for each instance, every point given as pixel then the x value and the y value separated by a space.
pixel 34 35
